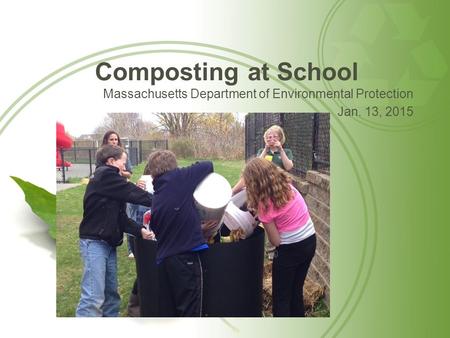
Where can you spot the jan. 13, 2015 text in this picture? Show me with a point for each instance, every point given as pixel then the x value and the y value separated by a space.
pixel 377 111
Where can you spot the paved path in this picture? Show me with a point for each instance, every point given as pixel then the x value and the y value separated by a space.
pixel 77 170
pixel 64 186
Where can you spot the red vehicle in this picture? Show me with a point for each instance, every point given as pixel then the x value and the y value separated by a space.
pixel 63 141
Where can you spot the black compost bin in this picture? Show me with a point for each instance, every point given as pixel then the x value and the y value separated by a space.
pixel 232 280
pixel 147 273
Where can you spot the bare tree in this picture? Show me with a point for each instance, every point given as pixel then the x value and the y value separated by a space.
pixel 210 135
pixel 220 135
pixel 178 124
pixel 128 125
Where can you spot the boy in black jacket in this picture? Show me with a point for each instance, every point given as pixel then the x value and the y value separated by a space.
pixel 101 231
pixel 176 223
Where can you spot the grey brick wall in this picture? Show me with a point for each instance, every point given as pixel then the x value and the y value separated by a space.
pixel 316 191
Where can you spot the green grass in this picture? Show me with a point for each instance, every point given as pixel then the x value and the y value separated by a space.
pixel 320 309
pixel 69 211
pixel 231 170
pixel 74 179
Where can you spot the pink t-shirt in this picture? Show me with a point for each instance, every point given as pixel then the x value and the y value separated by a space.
pixel 293 216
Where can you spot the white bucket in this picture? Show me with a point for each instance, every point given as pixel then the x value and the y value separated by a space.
pixel 148 179
pixel 212 196
pixel 235 218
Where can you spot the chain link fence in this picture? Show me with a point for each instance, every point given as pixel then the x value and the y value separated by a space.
pixel 79 161
pixel 307 135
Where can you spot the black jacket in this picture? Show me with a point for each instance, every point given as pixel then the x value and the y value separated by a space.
pixel 104 216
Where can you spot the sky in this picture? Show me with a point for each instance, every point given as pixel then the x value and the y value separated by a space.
pixel 77 126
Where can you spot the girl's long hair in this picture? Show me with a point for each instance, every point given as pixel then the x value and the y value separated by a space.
pixel 266 182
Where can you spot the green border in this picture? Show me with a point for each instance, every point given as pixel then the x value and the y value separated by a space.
pixel 321 57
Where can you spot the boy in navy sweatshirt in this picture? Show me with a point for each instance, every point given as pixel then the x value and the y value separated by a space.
pixel 177 226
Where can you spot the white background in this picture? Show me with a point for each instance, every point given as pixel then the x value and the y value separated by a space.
pixel 38 37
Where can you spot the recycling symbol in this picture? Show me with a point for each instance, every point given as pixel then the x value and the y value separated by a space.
pixel 392 46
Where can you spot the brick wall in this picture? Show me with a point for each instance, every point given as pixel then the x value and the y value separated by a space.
pixel 316 191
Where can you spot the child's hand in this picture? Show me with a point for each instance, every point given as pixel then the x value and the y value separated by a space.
pixel 147 235
pixel 125 174
pixel 209 228
pixel 278 145
pixel 207 225
pixel 141 184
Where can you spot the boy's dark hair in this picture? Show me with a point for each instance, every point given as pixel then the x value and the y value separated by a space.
pixel 107 151
pixel 161 161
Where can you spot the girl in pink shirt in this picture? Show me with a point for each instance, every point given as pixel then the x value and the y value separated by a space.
pixel 285 217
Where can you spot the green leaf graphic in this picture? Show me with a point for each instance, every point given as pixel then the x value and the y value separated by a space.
pixel 41 202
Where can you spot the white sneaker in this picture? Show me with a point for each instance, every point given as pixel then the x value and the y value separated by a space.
pixel 131 255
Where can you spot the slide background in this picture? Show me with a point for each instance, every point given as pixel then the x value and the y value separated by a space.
pixel 389 235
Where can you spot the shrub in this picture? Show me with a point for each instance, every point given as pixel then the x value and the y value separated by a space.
pixel 182 147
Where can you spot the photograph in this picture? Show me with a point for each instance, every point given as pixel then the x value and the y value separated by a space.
pixel 193 215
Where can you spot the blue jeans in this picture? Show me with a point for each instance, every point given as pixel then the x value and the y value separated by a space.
pixel 99 296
